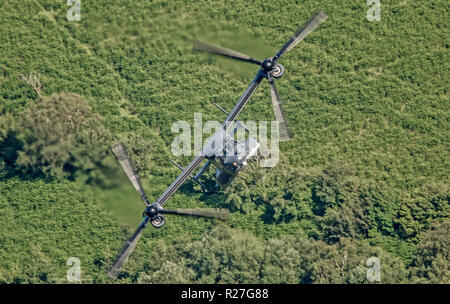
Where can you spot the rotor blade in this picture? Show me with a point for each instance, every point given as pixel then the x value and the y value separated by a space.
pixel 127 250
pixel 201 46
pixel 205 212
pixel 302 33
pixel 278 111
pixel 119 151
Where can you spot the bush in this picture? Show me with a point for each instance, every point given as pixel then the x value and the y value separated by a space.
pixel 228 255
pixel 55 137
pixel 431 262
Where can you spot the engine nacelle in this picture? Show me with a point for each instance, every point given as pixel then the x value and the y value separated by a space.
pixel 278 70
pixel 158 221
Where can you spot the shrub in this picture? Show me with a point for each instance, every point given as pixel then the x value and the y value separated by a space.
pixel 55 137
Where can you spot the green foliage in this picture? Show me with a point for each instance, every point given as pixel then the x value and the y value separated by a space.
pixel 56 136
pixel 366 173
pixel 45 223
pixel 337 202
pixel 431 263
pixel 227 255
pixel 416 214
pixel 224 256
pixel 346 262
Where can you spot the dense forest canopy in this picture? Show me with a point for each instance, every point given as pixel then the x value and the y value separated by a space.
pixel 366 174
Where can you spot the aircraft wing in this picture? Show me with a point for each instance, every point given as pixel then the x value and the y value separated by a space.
pixel 196 162
pixel 180 179
pixel 243 100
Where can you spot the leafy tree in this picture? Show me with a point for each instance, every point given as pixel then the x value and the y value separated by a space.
pixel 346 262
pixel 333 187
pixel 282 260
pixel 349 220
pixel 223 256
pixel 55 137
pixel 431 264
pixel 227 255
pixel 167 264
pixel 169 272
pixel 416 214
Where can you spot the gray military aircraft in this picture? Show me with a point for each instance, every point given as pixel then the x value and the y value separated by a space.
pixel 228 155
